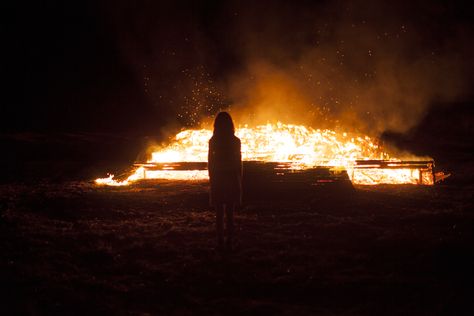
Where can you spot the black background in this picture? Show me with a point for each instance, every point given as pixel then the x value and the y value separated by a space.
pixel 73 65
pixel 122 71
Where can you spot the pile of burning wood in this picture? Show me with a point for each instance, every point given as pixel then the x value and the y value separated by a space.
pixel 284 152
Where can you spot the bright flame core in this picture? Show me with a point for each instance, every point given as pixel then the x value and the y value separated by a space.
pixel 302 146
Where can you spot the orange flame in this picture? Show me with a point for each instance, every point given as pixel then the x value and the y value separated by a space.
pixel 302 146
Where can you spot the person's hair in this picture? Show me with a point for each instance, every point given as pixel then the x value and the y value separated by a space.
pixel 223 125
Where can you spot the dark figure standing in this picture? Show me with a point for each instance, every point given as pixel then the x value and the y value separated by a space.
pixel 225 174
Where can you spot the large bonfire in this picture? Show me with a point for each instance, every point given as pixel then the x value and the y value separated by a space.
pixel 302 147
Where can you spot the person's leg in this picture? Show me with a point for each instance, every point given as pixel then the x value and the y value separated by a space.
pixel 220 225
pixel 230 224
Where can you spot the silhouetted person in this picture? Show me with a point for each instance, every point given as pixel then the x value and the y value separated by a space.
pixel 225 174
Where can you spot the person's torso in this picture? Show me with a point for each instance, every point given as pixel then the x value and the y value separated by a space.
pixel 226 154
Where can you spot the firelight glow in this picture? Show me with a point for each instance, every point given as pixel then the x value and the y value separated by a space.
pixel 303 147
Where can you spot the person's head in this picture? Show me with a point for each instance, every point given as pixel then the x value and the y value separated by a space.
pixel 223 125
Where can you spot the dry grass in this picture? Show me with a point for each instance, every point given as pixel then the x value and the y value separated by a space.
pixel 75 248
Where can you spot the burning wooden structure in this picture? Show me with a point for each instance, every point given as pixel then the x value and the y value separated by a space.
pixel 287 153
pixel 363 172
pixel 388 171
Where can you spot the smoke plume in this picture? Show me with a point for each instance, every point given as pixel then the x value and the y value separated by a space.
pixel 353 64
pixel 362 65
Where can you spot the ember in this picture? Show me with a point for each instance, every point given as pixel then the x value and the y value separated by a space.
pixel 298 146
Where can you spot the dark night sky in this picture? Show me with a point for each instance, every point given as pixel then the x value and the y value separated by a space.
pixel 135 66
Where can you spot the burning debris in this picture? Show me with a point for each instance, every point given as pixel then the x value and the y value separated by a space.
pixel 287 147
pixel 390 171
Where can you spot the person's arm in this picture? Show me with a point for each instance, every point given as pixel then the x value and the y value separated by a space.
pixel 240 170
pixel 240 159
pixel 210 159
pixel 237 158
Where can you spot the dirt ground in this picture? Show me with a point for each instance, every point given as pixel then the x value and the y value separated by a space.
pixel 76 248
pixel 70 247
